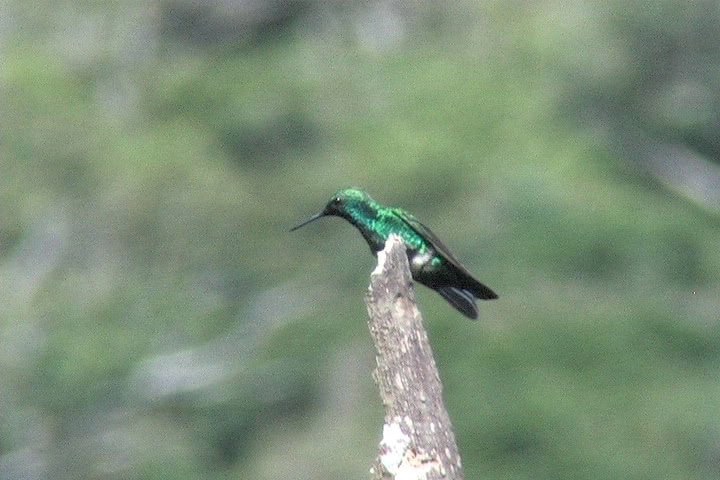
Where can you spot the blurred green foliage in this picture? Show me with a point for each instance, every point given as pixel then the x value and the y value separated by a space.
pixel 158 320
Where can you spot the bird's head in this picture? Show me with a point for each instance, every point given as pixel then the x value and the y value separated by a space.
pixel 340 204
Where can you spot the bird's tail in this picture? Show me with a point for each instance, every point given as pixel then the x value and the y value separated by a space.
pixel 463 300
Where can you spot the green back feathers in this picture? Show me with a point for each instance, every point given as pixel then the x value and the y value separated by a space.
pixel 377 222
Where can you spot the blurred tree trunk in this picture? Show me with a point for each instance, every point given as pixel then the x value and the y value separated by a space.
pixel 418 440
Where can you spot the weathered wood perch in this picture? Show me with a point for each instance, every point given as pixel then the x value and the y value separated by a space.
pixel 418 440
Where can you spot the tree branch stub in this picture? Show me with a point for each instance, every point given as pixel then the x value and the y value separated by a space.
pixel 418 440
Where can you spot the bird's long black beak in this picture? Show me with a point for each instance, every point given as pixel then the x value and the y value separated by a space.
pixel 311 219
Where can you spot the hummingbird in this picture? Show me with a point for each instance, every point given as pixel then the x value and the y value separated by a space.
pixel 431 263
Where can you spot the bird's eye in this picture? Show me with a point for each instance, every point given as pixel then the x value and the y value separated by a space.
pixel 336 201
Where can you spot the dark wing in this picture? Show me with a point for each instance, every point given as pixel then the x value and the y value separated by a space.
pixel 477 288
pixel 424 231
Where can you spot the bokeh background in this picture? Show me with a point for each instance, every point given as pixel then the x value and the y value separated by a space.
pixel 157 320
